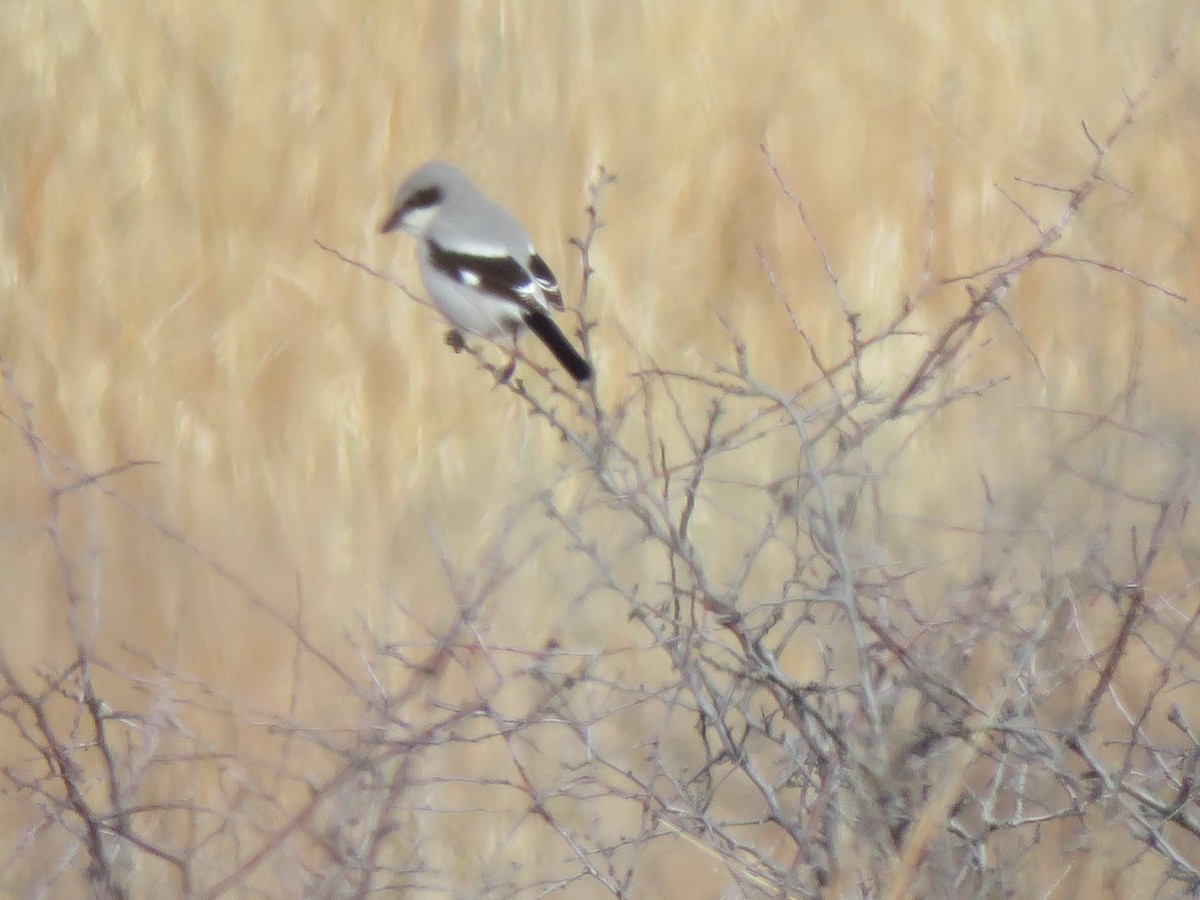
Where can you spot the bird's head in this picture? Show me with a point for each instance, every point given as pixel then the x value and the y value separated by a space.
pixel 422 196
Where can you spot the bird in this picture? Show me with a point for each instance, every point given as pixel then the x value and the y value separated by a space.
pixel 479 265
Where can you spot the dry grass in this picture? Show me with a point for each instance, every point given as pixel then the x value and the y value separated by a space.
pixel 286 560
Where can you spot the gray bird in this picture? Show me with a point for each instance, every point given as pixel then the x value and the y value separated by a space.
pixel 478 263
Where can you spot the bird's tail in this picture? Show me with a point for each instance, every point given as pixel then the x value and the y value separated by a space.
pixel 568 357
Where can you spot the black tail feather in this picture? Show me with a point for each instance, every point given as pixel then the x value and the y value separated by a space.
pixel 568 357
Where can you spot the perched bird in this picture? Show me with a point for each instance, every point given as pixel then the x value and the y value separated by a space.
pixel 478 263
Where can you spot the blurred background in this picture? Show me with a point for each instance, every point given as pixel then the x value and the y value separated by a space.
pixel 311 445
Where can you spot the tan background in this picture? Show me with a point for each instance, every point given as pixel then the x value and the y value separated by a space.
pixel 167 167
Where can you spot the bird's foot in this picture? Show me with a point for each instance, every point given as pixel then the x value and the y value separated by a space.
pixel 455 341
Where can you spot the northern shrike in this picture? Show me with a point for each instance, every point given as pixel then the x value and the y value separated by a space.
pixel 478 263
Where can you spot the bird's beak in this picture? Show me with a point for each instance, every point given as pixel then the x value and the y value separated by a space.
pixel 392 222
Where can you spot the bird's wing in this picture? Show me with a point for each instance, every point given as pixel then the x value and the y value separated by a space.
pixel 546 280
pixel 500 276
pixel 485 247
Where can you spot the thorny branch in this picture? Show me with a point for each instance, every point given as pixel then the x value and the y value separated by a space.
pixel 787 700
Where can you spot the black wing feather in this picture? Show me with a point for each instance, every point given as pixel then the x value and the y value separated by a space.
pixel 501 276
pixel 546 279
